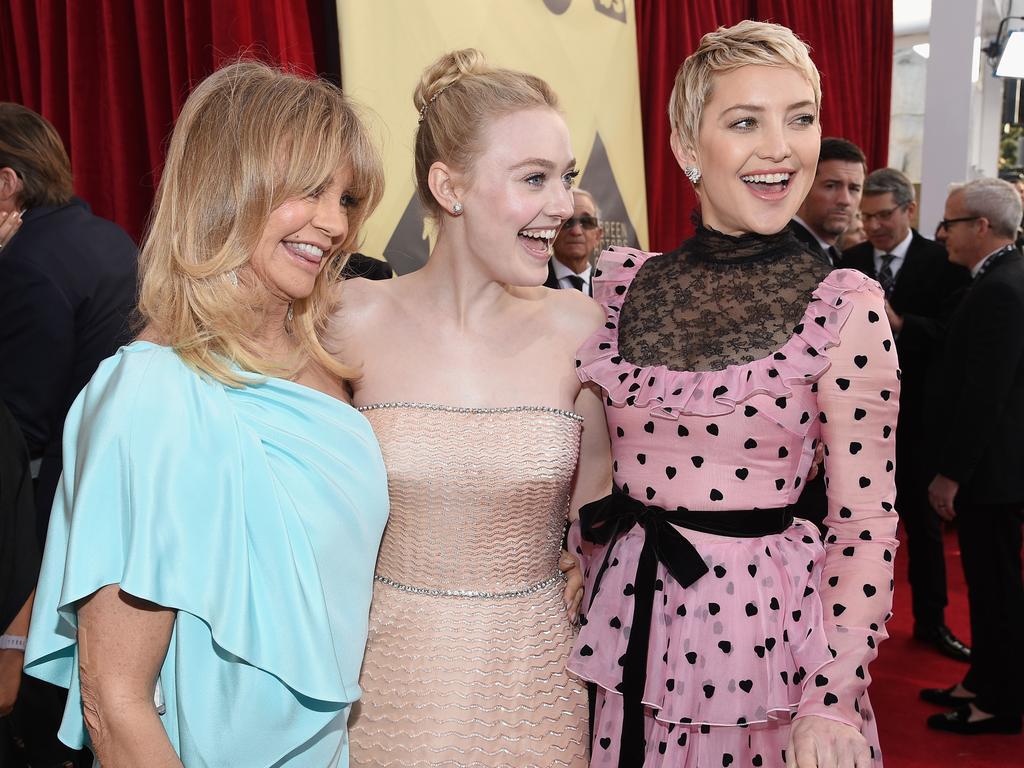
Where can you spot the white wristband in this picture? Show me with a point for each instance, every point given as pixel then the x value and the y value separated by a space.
pixel 12 642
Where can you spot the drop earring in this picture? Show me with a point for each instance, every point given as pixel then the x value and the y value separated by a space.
pixel 233 277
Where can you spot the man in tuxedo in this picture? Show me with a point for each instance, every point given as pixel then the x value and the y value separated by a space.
pixel 575 244
pixel 978 401
pixel 832 202
pixel 67 287
pixel 921 288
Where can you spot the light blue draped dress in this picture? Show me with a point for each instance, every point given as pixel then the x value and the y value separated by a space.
pixel 256 514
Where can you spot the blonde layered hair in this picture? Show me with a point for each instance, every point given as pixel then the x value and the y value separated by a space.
pixel 249 138
pixel 726 49
pixel 458 95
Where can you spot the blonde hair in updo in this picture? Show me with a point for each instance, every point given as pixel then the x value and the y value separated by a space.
pixel 726 49
pixel 249 138
pixel 456 97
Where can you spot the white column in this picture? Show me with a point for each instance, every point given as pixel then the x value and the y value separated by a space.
pixel 949 97
pixel 989 123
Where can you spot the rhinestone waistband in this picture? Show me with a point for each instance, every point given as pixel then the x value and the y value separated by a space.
pixel 470 593
pixel 459 409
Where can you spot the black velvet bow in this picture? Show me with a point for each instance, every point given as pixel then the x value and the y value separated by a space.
pixel 604 522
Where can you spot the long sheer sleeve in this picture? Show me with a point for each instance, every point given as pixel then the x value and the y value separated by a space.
pixel 859 400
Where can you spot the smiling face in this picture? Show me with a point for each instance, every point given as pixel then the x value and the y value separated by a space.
pixel 834 198
pixel 517 194
pixel 959 237
pixel 757 148
pixel 300 236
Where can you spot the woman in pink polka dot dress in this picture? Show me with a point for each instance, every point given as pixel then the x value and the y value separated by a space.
pixel 718 630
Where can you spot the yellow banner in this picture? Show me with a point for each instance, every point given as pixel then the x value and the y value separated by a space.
pixel 586 50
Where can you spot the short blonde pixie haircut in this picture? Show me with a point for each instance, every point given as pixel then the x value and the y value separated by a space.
pixel 726 49
pixel 249 138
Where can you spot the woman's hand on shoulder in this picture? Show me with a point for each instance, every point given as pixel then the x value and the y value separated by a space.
pixel 817 742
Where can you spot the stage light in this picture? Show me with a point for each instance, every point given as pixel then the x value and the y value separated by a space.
pixel 1011 63
pixel 1006 54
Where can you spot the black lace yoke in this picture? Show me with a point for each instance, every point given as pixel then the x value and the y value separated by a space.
pixel 718 301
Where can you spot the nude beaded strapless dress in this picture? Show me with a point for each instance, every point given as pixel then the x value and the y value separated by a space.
pixel 465 662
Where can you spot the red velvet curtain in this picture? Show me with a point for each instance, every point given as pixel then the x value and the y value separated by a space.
pixel 851 43
pixel 111 75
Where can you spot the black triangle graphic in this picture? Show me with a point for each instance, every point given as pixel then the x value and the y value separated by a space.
pixel 599 181
pixel 408 248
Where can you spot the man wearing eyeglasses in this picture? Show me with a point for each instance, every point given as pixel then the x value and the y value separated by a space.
pixel 574 246
pixel 977 406
pixel 921 288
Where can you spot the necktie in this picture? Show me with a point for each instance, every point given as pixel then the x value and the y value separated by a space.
pixel 833 255
pixel 576 281
pixel 885 275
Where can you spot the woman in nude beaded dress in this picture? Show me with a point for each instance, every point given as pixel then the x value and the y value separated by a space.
pixel 469 382
pixel 717 630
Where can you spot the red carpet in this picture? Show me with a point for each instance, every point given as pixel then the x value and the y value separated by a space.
pixel 904 666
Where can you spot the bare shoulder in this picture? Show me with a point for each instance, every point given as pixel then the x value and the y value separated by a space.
pixel 574 314
pixel 361 309
pixel 364 304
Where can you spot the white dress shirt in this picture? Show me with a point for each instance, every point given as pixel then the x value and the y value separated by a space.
pixel 562 272
pixel 899 254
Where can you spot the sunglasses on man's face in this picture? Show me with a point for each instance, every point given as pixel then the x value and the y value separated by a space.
pixel 587 222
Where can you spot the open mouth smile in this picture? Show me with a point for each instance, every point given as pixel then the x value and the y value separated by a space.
pixel 768 186
pixel 307 254
pixel 537 241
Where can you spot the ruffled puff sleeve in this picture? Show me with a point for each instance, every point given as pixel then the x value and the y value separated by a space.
pixel 858 398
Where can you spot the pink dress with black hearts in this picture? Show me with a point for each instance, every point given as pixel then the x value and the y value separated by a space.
pixel 781 626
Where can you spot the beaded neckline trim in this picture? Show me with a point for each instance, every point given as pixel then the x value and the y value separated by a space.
pixel 459 409
pixel 548 582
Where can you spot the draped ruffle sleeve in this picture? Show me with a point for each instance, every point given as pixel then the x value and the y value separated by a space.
pixel 255 513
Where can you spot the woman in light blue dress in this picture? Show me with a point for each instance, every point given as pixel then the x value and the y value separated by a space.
pixel 208 569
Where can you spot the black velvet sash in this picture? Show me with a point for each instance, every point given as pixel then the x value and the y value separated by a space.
pixel 604 522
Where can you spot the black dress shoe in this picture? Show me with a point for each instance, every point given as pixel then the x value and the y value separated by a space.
pixel 940 638
pixel 957 722
pixel 943 697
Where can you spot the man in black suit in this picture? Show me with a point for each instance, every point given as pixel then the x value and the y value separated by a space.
pixel 832 202
pixel 67 287
pixel 979 402
pixel 824 215
pixel 921 288
pixel 574 246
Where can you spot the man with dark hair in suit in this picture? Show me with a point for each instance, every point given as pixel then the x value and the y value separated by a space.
pixel 921 288
pixel 575 244
pixel 978 403
pixel 67 287
pixel 832 202
pixel 826 213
